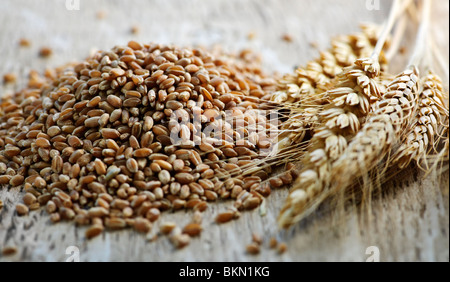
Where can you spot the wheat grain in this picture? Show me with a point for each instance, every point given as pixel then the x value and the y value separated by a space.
pixel 45 52
pixel 9 250
pixel 24 42
pixel 382 131
pixel 253 249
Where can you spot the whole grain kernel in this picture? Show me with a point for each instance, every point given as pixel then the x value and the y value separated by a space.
pixel 114 101
pixel 97 212
pixel 42 142
pixel 24 42
pixel 40 183
pixel 178 165
pixel 286 178
pixel 16 180
pixel 164 164
pixel 164 176
pixel 9 250
pixel 201 206
pixel 142 153
pixel 116 72
pixel 256 238
pixel 251 203
pixel 181 241
pixel 44 198
pixel 127 212
pixel 100 167
pixel 29 199
pixel 276 182
pixel 74 141
pixel 9 78
pixel 67 213
pixel 273 243
pixel 55 217
pixel 178 204
pixel 184 178
pixel 132 165
pixel 108 133
pixel 92 122
pixel 115 223
pixel 81 219
pixel 153 214
pixel 95 143
pixel 142 225
pixel 5 179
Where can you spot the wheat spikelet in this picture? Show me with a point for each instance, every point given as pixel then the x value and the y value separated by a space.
pixel 428 127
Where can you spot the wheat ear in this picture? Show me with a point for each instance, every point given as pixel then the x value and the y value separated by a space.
pixel 350 103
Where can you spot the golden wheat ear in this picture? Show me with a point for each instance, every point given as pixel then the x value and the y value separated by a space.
pixel 302 94
pixel 350 104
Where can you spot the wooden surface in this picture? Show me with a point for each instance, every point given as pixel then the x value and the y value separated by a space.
pixel 408 222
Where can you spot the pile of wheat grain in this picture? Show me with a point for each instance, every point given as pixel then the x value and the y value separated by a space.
pixel 115 140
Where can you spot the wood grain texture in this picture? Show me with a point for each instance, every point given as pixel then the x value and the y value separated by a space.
pixel 408 222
